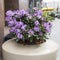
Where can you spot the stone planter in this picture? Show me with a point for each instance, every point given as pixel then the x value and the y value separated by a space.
pixel 14 51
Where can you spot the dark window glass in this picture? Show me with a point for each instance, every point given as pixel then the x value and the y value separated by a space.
pixel 33 3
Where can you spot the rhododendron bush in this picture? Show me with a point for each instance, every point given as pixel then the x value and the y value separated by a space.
pixel 28 28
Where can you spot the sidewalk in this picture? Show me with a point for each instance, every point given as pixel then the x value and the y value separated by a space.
pixel 55 34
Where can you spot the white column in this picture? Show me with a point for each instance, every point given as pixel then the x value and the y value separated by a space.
pixel 23 4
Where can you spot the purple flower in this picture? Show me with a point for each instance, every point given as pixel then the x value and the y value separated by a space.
pixel 15 21
pixel 13 30
pixel 18 31
pixel 22 12
pixel 11 23
pixel 29 16
pixel 36 23
pixel 41 33
pixel 24 27
pixel 8 18
pixel 39 12
pixel 17 14
pixel 9 13
pixel 36 28
pixel 35 14
pixel 19 36
pixel 31 32
pixel 16 11
pixel 42 19
pixel 48 29
pixel 19 24
pixel 45 24
pixel 39 16
pixel 48 26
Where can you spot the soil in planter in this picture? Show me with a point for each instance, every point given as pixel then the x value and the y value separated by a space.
pixel 34 42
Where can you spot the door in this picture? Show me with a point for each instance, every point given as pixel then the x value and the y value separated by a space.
pixel 11 4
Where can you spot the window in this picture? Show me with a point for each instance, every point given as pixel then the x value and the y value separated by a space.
pixel 35 3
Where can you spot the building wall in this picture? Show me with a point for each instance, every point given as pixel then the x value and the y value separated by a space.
pixel 52 5
pixel 23 4
pixel 16 4
pixel 1 23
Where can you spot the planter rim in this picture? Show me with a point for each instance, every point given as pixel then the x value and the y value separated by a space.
pixel 12 47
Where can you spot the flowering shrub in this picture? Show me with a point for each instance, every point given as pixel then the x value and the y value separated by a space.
pixel 28 28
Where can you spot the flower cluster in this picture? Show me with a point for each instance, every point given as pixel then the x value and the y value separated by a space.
pixel 29 28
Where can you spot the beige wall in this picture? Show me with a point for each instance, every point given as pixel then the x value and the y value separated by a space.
pixel 1 22
pixel 23 4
